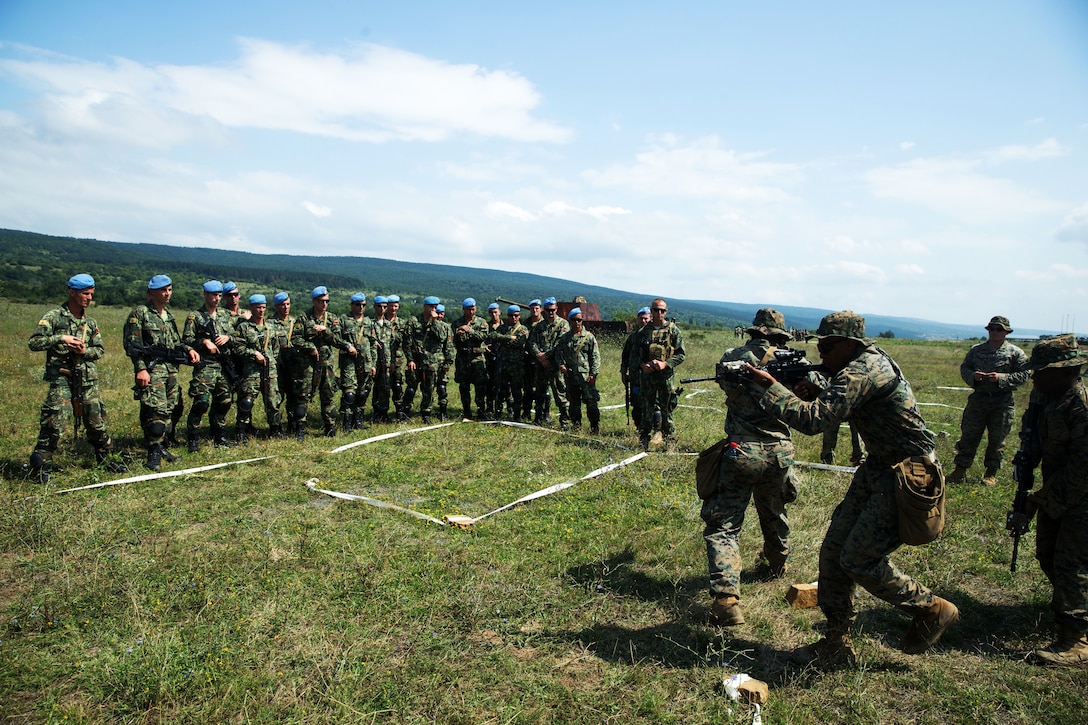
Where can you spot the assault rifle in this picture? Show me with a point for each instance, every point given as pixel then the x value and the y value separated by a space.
pixel 158 353
pixel 1023 472
pixel 787 367
pixel 74 373
pixel 225 360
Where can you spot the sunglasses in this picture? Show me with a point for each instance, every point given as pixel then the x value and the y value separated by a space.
pixel 662 310
pixel 826 346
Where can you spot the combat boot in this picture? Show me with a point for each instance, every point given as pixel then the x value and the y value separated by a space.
pixel 111 463
pixel 240 434
pixel 827 457
pixel 990 478
pixel 1069 650
pixel 442 413
pixel 725 612
pixel 276 431
pixel 359 422
pixel 776 566
pixel 834 648
pixel 957 476
pixel 926 628
pixel 194 439
pixel 330 429
pixel 425 418
pixel 219 438
pixel 347 421
pixel 41 466
pixel 154 457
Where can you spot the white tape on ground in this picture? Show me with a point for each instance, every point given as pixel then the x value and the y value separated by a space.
pixel 825 467
pixel 164 474
pixel 702 407
pixel 386 436
pixel 693 393
pixel 312 485
pixel 940 405
pixel 948 387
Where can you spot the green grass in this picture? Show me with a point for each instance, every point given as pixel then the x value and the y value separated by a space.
pixel 238 595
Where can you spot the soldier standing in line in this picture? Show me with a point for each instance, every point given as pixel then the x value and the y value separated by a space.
pixel 258 346
pixel 661 350
pixel 511 338
pixel 356 370
pixel 494 320
pixel 441 383
pixel 71 342
pixel 542 340
pixel 579 361
pixel 470 335
pixel 757 464
pixel 315 336
pixel 211 389
pixel 1055 428
pixel 156 371
pixel 630 372
pixel 868 389
pixel 398 360
pixel 287 365
pixel 383 351
pixel 232 298
pixel 428 343
pixel 994 369
pixel 529 380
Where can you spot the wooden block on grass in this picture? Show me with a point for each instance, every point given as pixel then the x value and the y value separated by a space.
pixel 802 596
pixel 461 522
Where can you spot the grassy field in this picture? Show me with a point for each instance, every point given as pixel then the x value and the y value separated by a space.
pixel 239 595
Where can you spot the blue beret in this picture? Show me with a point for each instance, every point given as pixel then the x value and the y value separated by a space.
pixel 431 300
pixel 468 302
pixel 81 281
pixel 257 300
pixel 393 298
pixel 534 302
pixel 319 292
pixel 493 306
pixel 280 298
pixel 213 285
pixel 575 311
pixel 358 297
pixel 159 281
pixel 514 308
pixel 644 311
pixel 379 300
pixel 440 308
pixel 229 287
pixel 549 301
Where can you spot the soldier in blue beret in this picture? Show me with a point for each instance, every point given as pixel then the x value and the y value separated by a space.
pixel 71 342
pixel 630 372
pixel 357 364
pixel 543 338
pixel 210 331
pixel 470 336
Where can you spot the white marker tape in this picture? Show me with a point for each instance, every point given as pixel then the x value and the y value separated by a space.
pixel 166 474
pixel 826 467
pixel 386 436
pixel 312 485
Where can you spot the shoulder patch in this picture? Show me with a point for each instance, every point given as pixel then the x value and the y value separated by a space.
pixel 43 321
pixel 132 320
pixel 192 315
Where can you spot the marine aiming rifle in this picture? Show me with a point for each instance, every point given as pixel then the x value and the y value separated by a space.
pixel 1017 520
pixel 74 373
pixel 788 366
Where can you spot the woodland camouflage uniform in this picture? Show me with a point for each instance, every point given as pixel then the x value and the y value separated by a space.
pixel 582 358
pixel 209 388
pixel 266 340
pixel 512 341
pixel 432 349
pixel 656 388
pixel 543 338
pixel 355 380
pixel 304 340
pixel 162 396
pixel 471 363
pixel 385 352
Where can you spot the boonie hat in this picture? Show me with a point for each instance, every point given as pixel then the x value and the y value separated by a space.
pixel 846 324
pixel 81 281
pixel 1056 352
pixel 159 281
pixel 768 321
pixel 1000 322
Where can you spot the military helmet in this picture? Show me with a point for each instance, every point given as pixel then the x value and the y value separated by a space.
pixel 846 324
pixel 768 322
pixel 1056 352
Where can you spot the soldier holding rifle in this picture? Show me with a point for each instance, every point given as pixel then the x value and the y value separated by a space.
pixel 71 343
pixel 259 347
pixel 316 334
pixel 211 333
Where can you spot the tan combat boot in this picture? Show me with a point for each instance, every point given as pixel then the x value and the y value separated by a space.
pixel 926 628
pixel 725 612
pixel 957 476
pixel 1069 650
pixel 990 479
pixel 834 648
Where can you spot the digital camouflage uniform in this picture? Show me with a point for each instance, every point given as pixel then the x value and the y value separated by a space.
pixel 759 467
pixel 210 390
pixel 471 364
pixel 385 352
pixel 871 393
pixel 304 340
pixel 582 358
pixel 162 396
pixel 543 338
pixel 259 380
pixel 355 380
pixel 290 370
pixel 990 407
pixel 656 388
pixel 1061 543
pixel 511 341
pixel 431 346
pixel 59 364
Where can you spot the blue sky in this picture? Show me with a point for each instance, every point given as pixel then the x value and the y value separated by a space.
pixel 923 160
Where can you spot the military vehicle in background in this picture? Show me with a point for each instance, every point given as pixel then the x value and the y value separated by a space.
pixel 591 316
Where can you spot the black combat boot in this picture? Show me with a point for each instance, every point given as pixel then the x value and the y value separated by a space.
pixel 41 466
pixel 194 439
pixel 113 464
pixel 154 457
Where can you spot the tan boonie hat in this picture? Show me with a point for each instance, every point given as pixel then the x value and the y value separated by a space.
pixel 846 324
pixel 1056 352
pixel 768 322
pixel 1002 323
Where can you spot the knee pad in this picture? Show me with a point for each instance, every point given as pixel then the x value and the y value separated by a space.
pixel 300 412
pixel 200 407
pixel 349 399
pixel 222 408
pixel 245 406
pixel 156 430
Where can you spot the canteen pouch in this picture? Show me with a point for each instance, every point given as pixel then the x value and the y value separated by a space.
pixel 708 468
pixel 919 497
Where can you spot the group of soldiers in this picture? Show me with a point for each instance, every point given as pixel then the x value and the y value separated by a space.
pixel 861 384
pixel 286 361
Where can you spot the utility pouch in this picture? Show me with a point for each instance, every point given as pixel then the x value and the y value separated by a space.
pixel 708 468
pixel 919 497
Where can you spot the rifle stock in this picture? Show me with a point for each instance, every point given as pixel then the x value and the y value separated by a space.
pixel 1017 521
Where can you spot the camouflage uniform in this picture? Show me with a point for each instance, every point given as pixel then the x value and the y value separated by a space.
pixel 629 369
pixel 259 380
pixel 543 338
pixel 209 388
pixel 385 352
pixel 355 380
pixel 290 371
pixel 582 358
pixel 990 407
pixel 656 388
pixel 398 367
pixel 59 362
pixel 1061 541
pixel 758 467
pixel 512 341
pixel 432 349
pixel 871 393
pixel 471 364
pixel 530 375
pixel 410 330
pixel 162 396
pixel 304 340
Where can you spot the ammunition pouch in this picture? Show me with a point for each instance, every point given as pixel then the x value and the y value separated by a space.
pixel 919 498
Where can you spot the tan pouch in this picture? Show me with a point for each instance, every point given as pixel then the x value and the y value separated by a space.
pixel 919 497
pixel 708 468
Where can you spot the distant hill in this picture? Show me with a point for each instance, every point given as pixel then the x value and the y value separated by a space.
pixel 35 266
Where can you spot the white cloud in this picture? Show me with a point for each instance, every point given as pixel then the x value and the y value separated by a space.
pixel 906 145
pixel 316 209
pixel 700 169
pixel 372 93
pixel 1074 227
pixel 843 244
pixel 597 212
pixel 502 208
pixel 1037 121
pixel 1048 149
pixel 910 270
